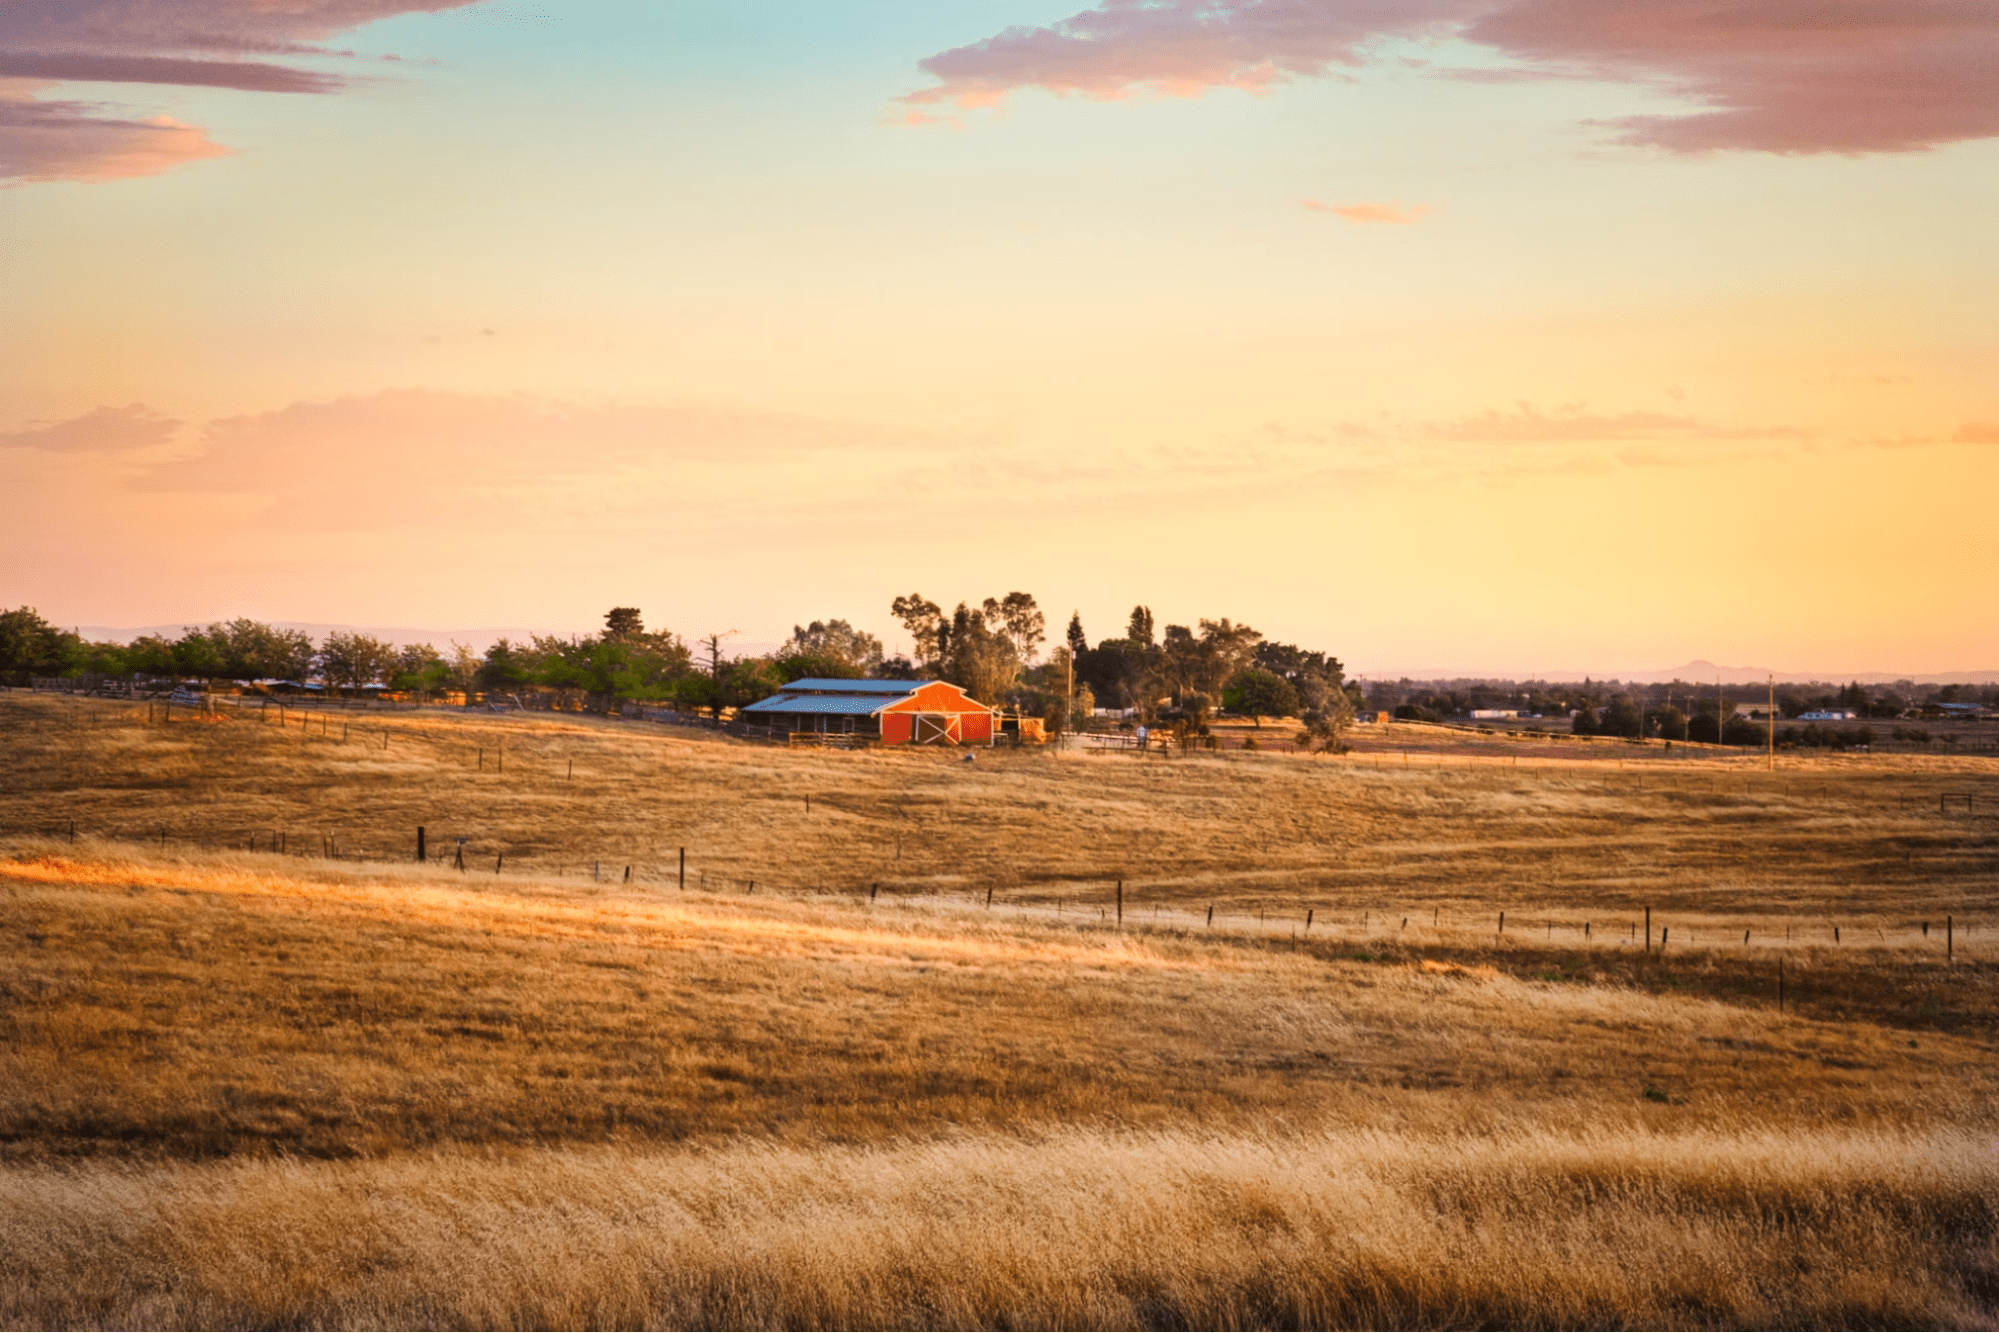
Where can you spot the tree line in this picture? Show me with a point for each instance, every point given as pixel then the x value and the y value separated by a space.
pixel 1179 677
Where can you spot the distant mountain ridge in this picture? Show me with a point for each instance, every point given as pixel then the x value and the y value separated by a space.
pixel 1702 671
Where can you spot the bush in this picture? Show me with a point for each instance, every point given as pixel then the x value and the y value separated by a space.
pixel 1415 713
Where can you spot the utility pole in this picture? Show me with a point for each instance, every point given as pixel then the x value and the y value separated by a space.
pixel 1772 716
pixel 1069 717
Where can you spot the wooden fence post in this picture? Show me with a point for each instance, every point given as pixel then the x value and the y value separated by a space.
pixel 683 867
pixel 1120 902
pixel 874 891
pixel 499 861
pixel 1211 914
pixel 1949 933
pixel 420 856
pixel 1308 919
pixel 1780 985
pixel 1648 930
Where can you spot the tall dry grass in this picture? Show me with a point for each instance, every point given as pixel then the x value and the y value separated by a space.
pixel 196 1006
pixel 1077 1230
pixel 1455 830
pixel 239 1088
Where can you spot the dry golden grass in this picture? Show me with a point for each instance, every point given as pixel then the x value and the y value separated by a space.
pixel 244 1088
pixel 1220 1229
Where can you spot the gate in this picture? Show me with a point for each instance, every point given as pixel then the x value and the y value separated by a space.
pixel 935 729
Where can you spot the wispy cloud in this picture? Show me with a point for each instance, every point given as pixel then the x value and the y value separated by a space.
pixel 108 430
pixel 1391 213
pixel 1977 432
pixel 1784 76
pixel 47 140
pixel 187 43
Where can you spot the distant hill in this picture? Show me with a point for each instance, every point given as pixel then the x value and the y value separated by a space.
pixel 1705 670
pixel 1699 672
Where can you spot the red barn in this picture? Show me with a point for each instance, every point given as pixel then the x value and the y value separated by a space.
pixel 897 712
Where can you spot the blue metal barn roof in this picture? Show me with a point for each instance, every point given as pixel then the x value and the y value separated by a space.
pixel 859 705
pixel 820 685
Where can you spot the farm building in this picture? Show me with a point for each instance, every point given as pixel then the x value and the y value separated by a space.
pixel 896 712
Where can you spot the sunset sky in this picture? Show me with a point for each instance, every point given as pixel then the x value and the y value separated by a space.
pixel 1492 335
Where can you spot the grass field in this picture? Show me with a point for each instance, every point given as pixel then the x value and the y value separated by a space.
pixel 922 1074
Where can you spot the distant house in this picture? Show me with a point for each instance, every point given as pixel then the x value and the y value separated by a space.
pixel 895 712
pixel 1827 715
pixel 1494 714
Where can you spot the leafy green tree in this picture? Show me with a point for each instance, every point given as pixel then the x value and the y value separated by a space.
pixel 1326 728
pixel 349 660
pixel 1139 630
pixel 1078 642
pixel 251 650
pixel 507 668
pixel 980 658
pixel 1585 722
pixel 1315 675
pixel 1258 694
pixel 1016 616
pixel 623 622
pixel 462 668
pixel 150 655
pixel 925 623
pixel 197 655
pixel 607 670
pixel 1743 731
pixel 857 651
pixel 1620 717
pixel 30 646
pixel 798 665
pixel 417 669
pixel 744 681
pixel 1670 723
pixel 1204 663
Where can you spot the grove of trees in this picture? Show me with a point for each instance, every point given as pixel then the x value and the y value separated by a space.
pixel 1173 676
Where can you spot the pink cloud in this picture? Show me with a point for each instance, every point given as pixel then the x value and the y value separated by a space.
pixel 1391 213
pixel 108 430
pixel 81 141
pixel 185 43
pixel 1784 76
pixel 1174 47
pixel 245 75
